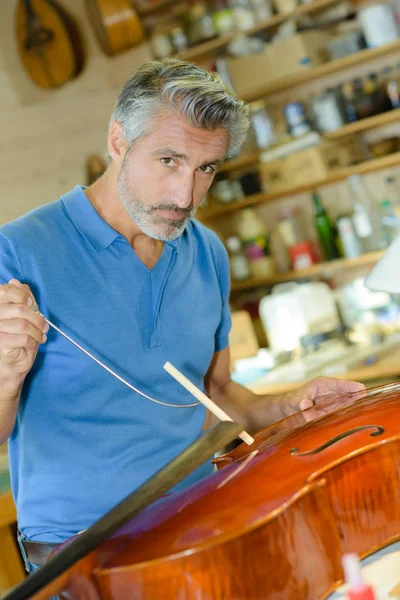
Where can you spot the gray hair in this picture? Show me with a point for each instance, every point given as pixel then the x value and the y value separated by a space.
pixel 198 95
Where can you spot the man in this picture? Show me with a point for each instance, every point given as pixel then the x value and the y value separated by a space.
pixel 124 269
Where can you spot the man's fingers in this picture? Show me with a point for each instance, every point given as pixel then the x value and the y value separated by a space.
pixel 23 328
pixel 16 292
pixel 9 342
pixel 22 312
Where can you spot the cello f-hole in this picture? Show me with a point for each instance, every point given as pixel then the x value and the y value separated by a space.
pixel 378 430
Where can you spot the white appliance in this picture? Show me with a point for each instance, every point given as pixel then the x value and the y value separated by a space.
pixel 295 311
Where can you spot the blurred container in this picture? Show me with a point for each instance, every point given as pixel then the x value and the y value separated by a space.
pixel 302 255
pixel 250 183
pixel 161 44
pixel 296 119
pixel 254 236
pixel 384 147
pixel 378 24
pixel 349 241
pixel 179 39
pixel 327 111
pixel 346 44
pixel 262 9
pixel 239 264
pixel 262 124
pixel 285 6
pixel 243 14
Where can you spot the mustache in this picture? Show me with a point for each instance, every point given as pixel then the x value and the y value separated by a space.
pixel 172 208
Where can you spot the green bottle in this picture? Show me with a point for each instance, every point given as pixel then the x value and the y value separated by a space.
pixel 324 229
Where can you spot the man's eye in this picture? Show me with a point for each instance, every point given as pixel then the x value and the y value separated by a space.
pixel 168 161
pixel 208 169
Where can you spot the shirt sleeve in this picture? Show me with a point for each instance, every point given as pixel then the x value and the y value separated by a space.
pixel 222 265
pixel 9 264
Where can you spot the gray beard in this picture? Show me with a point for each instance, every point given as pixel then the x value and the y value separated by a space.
pixel 152 224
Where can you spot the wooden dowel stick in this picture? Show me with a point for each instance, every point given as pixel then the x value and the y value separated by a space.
pixel 214 408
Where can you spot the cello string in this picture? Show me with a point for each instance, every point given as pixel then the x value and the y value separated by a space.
pixel 129 385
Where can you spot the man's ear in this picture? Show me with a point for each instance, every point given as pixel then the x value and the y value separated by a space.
pixel 117 145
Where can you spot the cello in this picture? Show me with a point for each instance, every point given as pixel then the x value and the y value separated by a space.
pixel 272 522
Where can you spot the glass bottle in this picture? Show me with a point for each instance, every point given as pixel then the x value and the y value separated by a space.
pixel 243 14
pixel 262 125
pixel 366 217
pixel 199 23
pixel 349 101
pixel 254 236
pixel 392 87
pixel 223 17
pixel 239 264
pixel 324 229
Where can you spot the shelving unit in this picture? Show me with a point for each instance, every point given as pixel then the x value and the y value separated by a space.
pixel 211 47
pixel 368 166
pixel 368 124
pixel 314 271
pixel 218 43
pixel 323 70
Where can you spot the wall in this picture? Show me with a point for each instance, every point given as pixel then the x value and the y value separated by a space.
pixel 46 136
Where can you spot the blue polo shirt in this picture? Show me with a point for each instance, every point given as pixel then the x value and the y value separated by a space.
pixel 82 440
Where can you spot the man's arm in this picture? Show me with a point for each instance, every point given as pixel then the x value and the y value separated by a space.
pixel 256 411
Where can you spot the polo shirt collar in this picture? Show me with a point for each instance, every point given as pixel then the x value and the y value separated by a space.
pixel 91 225
pixel 87 220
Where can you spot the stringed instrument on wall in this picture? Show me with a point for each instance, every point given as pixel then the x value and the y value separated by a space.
pixel 49 42
pixel 116 25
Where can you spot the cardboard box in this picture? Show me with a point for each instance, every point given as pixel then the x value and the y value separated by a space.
pixel 292 55
pixel 287 56
pixel 307 166
pixel 249 72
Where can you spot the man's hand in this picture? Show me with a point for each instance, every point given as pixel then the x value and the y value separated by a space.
pixel 21 331
pixel 317 390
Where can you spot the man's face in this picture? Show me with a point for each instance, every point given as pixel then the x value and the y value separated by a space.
pixel 166 174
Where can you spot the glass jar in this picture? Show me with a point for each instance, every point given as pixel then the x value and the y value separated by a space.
pixel 262 125
pixel 243 14
pixel 262 10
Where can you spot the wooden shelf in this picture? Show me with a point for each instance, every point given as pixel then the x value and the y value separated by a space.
pixel 350 129
pixel 154 7
pixel 369 166
pixel 364 125
pixel 218 43
pixel 241 161
pixel 314 271
pixel 323 70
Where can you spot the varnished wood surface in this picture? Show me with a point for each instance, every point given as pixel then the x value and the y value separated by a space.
pixel 116 25
pixel 275 520
pixel 57 61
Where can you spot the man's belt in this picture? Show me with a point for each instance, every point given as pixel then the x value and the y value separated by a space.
pixel 37 552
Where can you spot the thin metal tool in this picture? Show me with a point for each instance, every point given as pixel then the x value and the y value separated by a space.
pixel 113 372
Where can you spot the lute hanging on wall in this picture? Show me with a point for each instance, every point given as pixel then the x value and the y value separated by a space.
pixel 49 42
pixel 116 25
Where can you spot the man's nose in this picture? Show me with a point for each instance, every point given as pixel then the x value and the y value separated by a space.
pixel 184 191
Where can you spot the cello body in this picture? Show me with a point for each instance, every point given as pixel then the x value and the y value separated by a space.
pixel 273 521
